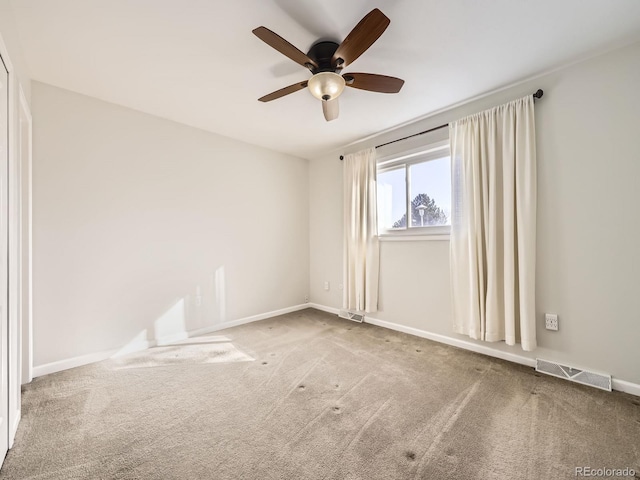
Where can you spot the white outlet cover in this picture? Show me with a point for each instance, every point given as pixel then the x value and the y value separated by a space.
pixel 551 321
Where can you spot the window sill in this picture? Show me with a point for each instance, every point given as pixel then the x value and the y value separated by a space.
pixel 414 238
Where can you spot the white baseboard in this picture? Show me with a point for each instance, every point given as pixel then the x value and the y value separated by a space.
pixel 38 371
pixel 617 384
pixel 14 429
pixel 436 337
pixel 59 365
pixel 242 321
pixel 133 347
pixel 68 363
pixel 626 387
pixel 324 308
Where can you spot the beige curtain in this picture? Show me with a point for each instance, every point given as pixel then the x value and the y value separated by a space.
pixel 361 250
pixel 493 232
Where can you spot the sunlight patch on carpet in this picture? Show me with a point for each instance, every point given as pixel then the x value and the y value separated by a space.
pixel 200 353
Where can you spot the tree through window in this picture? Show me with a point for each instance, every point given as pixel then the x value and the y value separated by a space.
pixel 424 213
pixel 415 187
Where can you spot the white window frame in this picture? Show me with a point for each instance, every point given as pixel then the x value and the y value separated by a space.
pixel 405 159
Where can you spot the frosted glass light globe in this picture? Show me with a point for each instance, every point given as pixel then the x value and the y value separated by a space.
pixel 326 85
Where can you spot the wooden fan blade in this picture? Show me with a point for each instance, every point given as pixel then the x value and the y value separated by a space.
pixel 280 44
pixel 331 109
pixel 361 37
pixel 283 91
pixel 373 82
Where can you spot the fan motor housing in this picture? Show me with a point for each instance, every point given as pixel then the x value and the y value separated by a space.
pixel 322 53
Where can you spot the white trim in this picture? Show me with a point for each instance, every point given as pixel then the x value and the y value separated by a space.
pixel 26 239
pixel 426 231
pixel 324 308
pixel 617 384
pixel 626 387
pixel 254 318
pixel 81 360
pixel 131 348
pixel 511 357
pixel 14 429
pixel 404 160
pixel 13 355
pixel 68 363
pixel 414 238
pixel 38 371
pixel 421 154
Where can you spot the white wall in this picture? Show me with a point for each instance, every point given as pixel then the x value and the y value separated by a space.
pixel 9 32
pixel 588 258
pixel 144 228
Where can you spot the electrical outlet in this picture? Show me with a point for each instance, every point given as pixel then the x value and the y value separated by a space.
pixel 551 321
pixel 306 299
pixel 326 285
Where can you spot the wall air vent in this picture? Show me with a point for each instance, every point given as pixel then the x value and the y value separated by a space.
pixel 572 374
pixel 347 315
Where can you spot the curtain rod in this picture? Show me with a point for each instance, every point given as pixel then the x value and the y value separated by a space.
pixel 538 94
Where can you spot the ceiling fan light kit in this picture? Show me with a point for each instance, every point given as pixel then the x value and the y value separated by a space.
pixel 325 60
pixel 326 85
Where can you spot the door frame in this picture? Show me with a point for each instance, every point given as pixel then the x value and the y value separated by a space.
pixel 14 189
pixel 25 216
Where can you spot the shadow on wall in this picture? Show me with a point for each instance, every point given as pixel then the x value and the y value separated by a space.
pixel 205 309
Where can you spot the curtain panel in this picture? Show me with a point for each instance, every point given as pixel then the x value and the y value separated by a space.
pixel 361 248
pixel 493 231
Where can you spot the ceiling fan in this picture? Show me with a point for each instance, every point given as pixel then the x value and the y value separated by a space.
pixel 325 60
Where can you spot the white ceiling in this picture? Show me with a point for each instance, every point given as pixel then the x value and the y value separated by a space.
pixel 197 62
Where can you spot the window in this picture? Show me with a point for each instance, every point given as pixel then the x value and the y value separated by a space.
pixel 414 192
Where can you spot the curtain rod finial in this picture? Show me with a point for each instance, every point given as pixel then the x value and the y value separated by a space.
pixel 341 157
pixel 538 94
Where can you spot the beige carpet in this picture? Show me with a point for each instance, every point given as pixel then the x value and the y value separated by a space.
pixel 311 396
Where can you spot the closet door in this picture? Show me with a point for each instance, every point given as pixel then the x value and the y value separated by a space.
pixel 4 198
